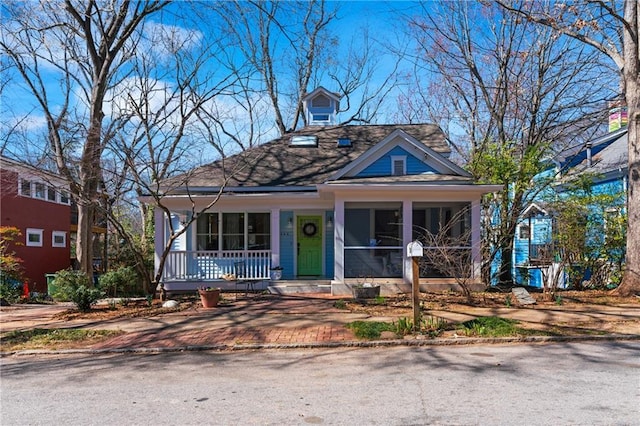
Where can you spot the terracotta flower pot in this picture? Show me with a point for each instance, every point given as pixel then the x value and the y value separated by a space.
pixel 209 298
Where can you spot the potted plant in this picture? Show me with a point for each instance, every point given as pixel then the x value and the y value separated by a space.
pixel 276 273
pixel 209 296
pixel 365 290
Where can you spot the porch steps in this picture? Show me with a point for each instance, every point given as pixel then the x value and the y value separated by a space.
pixel 299 286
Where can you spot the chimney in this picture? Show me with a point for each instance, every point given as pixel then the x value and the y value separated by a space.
pixel 618 117
pixel 589 158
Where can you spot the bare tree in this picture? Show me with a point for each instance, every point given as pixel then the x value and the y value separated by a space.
pixel 612 28
pixel 508 95
pixel 448 252
pixel 290 50
pixel 69 54
pixel 171 101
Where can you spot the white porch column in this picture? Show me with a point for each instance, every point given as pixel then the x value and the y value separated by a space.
pixel 275 237
pixel 407 237
pixel 158 237
pixel 338 235
pixel 476 257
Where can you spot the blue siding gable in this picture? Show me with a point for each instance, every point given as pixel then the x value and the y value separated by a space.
pixel 382 166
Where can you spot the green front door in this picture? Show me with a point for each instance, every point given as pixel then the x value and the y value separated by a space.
pixel 309 230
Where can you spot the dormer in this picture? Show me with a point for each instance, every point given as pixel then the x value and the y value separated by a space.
pixel 321 107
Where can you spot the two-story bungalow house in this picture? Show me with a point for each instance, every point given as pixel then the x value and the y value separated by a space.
pixel 38 204
pixel 327 204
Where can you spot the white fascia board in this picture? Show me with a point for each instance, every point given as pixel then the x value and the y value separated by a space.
pixel 180 198
pixel 206 190
pixel 432 187
pixel 531 207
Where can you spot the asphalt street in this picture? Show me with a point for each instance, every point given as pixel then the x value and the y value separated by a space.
pixel 533 384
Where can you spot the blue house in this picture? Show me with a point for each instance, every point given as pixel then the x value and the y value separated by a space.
pixel 604 160
pixel 325 206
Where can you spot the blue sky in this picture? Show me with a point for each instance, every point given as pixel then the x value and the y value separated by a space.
pixel 378 17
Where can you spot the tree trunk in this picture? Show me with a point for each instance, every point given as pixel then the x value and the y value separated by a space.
pixel 631 75
pixel 631 281
pixel 84 238
pixel 505 277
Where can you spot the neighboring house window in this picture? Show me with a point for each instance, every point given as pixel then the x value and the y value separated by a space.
pixel 25 188
pixel 59 239
pixel 51 194
pixel 64 197
pixel 524 231
pixel 398 165
pixel 40 189
pixel 34 237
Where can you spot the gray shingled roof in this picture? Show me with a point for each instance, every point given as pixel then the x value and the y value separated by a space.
pixel 278 164
pixel 612 158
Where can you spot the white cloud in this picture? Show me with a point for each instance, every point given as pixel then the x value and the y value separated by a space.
pixel 165 40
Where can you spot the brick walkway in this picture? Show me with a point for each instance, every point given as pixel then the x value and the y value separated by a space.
pixel 230 336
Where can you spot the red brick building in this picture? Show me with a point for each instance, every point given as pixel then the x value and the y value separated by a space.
pixel 38 204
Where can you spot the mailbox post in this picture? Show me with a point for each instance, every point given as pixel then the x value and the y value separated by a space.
pixel 415 251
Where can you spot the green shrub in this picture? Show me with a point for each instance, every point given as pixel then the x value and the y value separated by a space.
pixel 76 287
pixel 10 289
pixel 490 327
pixel 340 304
pixel 404 326
pixel 369 329
pixel 121 281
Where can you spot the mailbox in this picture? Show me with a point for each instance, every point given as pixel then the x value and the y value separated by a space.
pixel 415 249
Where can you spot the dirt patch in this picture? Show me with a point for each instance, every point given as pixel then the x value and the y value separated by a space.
pixel 552 316
pixel 128 310
pixel 481 303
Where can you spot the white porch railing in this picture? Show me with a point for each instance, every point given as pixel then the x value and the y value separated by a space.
pixel 204 265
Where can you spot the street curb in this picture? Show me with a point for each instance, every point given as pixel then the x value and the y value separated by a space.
pixel 331 345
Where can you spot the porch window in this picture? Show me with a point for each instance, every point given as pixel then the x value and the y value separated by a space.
pixel 373 240
pixel 233 231
pixel 207 231
pixel 240 231
pixel 445 231
pixel 259 231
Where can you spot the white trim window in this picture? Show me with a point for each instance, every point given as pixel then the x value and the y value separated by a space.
pixel 24 188
pixel 59 239
pixel 40 190
pixel 398 165
pixel 34 237
pixel 525 231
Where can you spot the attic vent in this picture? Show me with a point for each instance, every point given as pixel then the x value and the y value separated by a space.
pixel 321 101
pixel 342 142
pixel 304 141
